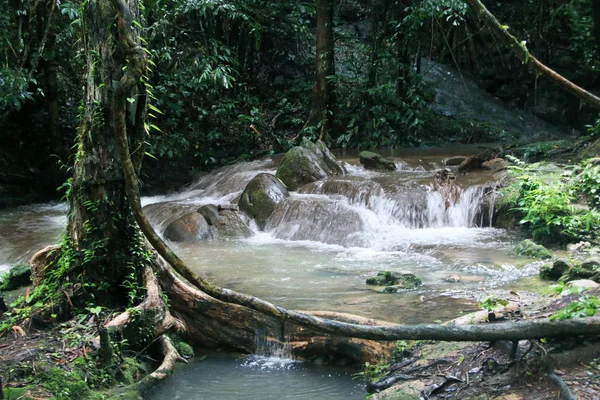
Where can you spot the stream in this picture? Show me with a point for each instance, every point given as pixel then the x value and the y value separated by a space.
pixel 315 253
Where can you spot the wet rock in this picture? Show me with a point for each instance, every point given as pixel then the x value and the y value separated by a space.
pixel 229 225
pixel 476 162
pixel 496 164
pixel 574 247
pixel 320 149
pixel 210 212
pixel 260 197
pixel 583 283
pixel 394 281
pixel 191 227
pixel 531 249
pixel 592 264
pixel 454 161
pixel 302 165
pixel 579 272
pixel 371 160
pixel 453 279
pixel 18 276
pixel 230 207
pixel 556 270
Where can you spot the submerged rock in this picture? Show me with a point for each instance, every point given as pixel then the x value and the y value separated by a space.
pixel 307 163
pixel 260 197
pixel 191 227
pixel 394 281
pixel 371 160
pixel 531 249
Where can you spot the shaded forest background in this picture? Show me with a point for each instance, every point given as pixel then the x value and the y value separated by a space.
pixel 231 80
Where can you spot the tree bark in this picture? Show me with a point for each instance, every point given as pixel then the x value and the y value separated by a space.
pixel 323 97
pixel 101 228
pixel 524 55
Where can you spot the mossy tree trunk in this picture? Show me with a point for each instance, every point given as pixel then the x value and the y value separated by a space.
pixel 105 249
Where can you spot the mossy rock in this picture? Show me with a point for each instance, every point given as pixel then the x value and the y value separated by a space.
pixel 191 227
pixel 531 249
pixel 556 270
pixel 321 150
pixel 394 281
pixel 18 276
pixel 307 163
pixel 260 197
pixel 371 160
pixel 577 272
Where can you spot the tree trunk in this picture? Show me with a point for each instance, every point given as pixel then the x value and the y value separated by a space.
pixel 101 228
pixel 323 97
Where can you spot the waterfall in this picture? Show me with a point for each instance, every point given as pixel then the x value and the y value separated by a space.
pixel 270 353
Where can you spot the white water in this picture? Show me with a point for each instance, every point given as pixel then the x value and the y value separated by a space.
pixel 319 247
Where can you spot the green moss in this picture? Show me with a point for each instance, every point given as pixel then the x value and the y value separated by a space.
pixel 67 385
pixel 395 281
pixel 529 248
pixel 11 393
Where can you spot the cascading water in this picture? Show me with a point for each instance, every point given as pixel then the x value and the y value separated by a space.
pixel 318 248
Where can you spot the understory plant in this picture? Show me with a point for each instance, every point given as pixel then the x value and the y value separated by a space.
pixel 555 206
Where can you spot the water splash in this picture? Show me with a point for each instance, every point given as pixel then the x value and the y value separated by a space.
pixel 270 353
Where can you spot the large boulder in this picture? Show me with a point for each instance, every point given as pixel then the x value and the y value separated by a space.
pixel 260 197
pixel 321 150
pixel 371 160
pixel 229 225
pixel 307 163
pixel 191 227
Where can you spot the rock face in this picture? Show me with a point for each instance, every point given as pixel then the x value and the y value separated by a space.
pixel 260 197
pixel 394 281
pixel 530 249
pixel 371 160
pixel 191 227
pixel 307 163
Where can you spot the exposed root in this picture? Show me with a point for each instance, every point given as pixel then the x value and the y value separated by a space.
pixel 153 306
pixel 565 392
pixel 170 359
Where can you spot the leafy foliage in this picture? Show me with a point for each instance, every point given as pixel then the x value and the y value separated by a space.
pixel 586 306
pixel 547 203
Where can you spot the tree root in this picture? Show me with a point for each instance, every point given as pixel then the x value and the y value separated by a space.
pixel 170 358
pixel 565 392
